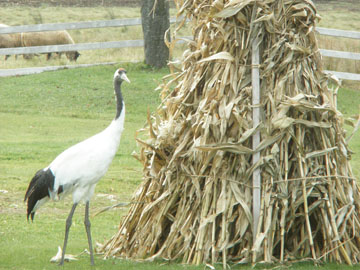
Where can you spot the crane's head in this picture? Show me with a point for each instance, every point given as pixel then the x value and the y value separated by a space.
pixel 120 76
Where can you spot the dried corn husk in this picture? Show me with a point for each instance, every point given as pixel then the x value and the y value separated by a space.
pixel 197 192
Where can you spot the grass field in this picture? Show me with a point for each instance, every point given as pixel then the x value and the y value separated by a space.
pixel 41 115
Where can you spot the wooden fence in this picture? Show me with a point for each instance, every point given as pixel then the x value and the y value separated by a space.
pixel 140 43
pixel 340 54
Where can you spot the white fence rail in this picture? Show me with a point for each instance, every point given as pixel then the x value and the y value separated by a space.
pixel 340 54
pixel 69 26
pixel 73 25
pixel 73 47
pixel 338 33
pixel 140 43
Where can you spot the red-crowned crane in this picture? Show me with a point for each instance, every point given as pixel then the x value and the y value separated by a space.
pixel 78 169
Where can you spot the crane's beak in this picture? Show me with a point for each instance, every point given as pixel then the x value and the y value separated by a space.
pixel 124 77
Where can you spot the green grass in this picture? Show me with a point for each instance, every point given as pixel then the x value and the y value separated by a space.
pixel 349 105
pixel 40 116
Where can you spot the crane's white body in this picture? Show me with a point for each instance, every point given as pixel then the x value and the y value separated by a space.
pixel 80 167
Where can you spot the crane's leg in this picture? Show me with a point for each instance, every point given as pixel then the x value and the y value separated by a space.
pixel 88 232
pixel 67 229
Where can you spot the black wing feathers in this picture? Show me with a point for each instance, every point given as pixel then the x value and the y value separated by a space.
pixel 38 189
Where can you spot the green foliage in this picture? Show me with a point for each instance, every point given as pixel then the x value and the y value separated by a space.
pixel 348 104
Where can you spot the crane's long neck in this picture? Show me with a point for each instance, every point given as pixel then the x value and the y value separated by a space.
pixel 119 99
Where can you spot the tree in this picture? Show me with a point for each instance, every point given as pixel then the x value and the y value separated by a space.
pixel 155 22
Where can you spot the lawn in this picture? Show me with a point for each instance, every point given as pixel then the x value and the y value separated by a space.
pixel 41 115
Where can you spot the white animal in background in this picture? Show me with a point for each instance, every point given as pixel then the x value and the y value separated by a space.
pixel 78 169
pixel 49 38
pixel 9 40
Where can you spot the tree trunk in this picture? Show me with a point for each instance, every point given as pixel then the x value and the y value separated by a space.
pixel 154 25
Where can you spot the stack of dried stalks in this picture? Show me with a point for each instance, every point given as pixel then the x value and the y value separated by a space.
pixel 196 199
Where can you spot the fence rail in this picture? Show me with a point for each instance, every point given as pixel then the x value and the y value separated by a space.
pixel 338 33
pixel 140 43
pixel 73 25
pixel 340 54
pixel 69 26
pixel 73 47
pixel 344 75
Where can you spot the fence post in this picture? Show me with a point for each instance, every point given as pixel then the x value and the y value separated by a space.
pixel 255 78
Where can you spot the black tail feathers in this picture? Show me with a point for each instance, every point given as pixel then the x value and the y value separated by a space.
pixel 38 189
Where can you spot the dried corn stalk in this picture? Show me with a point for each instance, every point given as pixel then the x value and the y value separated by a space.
pixel 196 196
